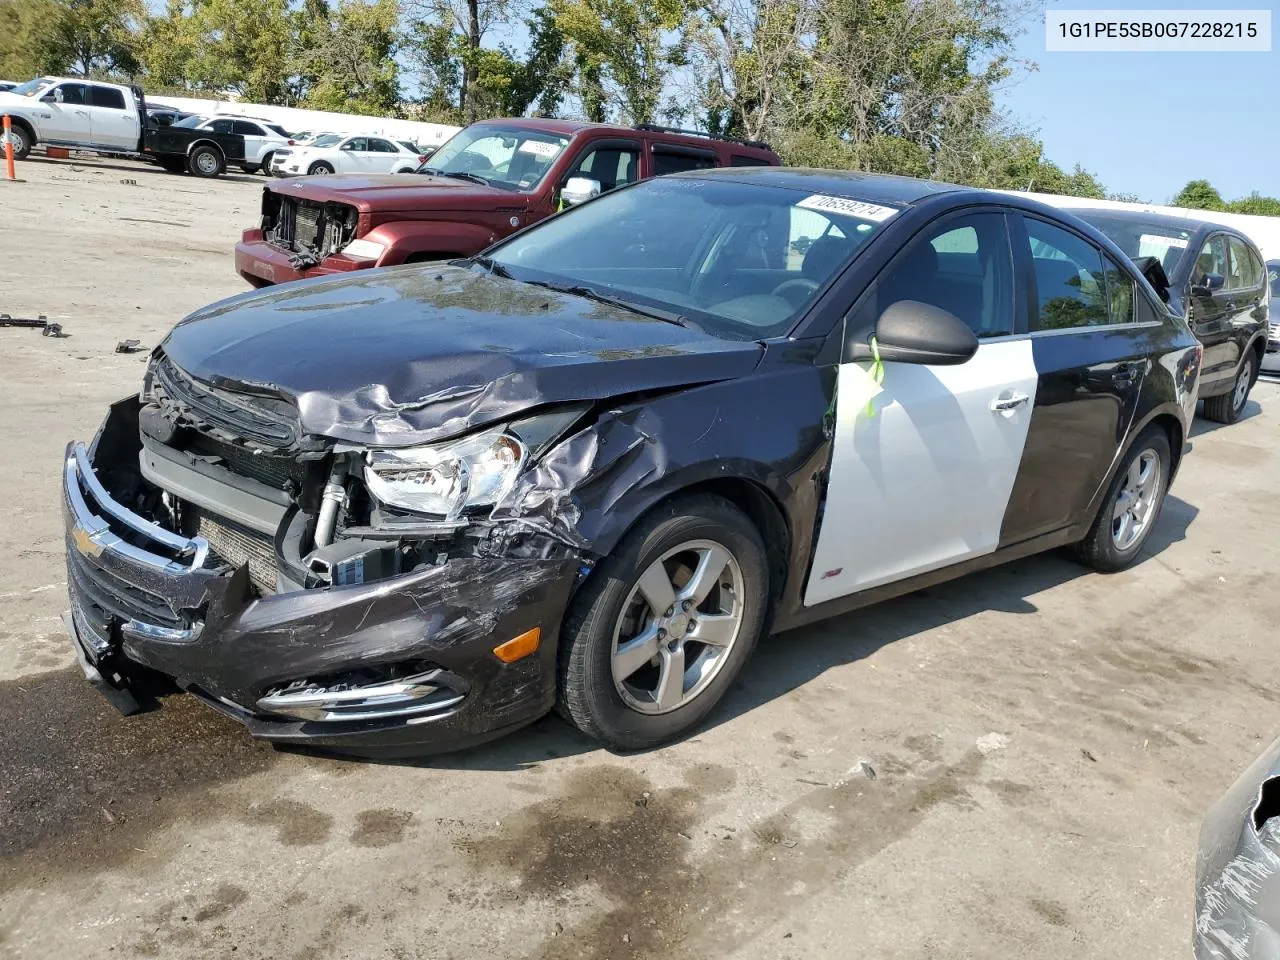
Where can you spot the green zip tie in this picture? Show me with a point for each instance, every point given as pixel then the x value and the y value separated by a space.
pixel 877 374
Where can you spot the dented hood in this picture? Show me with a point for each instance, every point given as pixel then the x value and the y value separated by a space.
pixel 393 192
pixel 414 354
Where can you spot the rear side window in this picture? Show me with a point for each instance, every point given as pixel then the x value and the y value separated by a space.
pixel 668 160
pixel 246 129
pixel 1071 286
pixel 1243 273
pixel 377 145
pixel 107 97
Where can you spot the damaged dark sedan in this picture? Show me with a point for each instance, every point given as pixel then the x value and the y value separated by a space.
pixel 417 507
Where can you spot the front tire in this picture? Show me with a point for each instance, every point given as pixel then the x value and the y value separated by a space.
pixel 205 161
pixel 22 142
pixel 1132 506
pixel 655 638
pixel 320 169
pixel 1227 407
pixel 266 163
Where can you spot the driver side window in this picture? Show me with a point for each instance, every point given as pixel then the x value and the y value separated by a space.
pixel 963 265
pixel 355 145
pixel 1212 259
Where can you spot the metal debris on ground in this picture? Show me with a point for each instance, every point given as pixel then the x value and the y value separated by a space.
pixel 128 346
pixel 130 183
pixel 40 323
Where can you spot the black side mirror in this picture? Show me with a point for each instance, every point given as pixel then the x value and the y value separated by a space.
pixel 1209 284
pixel 912 332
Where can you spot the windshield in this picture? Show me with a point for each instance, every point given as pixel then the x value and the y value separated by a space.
pixel 513 158
pixel 1139 238
pixel 326 140
pixel 32 87
pixel 741 261
pixel 190 122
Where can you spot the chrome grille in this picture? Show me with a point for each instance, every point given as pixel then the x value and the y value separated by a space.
pixel 237 545
pixel 306 226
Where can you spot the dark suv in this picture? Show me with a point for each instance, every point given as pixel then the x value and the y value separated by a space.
pixel 487 182
pixel 1216 279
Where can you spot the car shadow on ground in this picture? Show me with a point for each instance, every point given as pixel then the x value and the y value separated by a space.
pixel 1200 426
pixel 787 661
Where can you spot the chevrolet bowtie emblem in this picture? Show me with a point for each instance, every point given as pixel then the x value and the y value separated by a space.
pixel 84 542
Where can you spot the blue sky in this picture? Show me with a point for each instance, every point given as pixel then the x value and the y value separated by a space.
pixel 1146 123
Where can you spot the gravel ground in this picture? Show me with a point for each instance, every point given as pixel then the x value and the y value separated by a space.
pixel 1044 741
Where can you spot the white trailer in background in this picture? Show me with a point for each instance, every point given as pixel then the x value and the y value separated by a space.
pixel 1264 231
pixel 295 119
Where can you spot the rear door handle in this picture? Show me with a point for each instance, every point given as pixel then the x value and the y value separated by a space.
pixel 1011 402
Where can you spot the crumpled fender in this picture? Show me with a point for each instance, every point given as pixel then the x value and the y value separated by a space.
pixel 404 238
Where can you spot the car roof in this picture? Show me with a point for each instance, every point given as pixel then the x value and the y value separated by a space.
pixel 567 128
pixel 873 187
pixel 1165 220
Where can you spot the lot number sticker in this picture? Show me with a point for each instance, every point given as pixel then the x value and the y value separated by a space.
pixel 539 148
pixel 847 207
pixel 1173 243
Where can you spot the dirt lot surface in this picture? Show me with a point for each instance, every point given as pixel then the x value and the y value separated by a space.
pixel 1044 741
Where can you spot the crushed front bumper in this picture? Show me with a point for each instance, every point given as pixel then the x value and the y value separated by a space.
pixel 262 263
pixel 147 602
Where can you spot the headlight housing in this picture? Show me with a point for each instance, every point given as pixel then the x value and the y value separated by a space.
pixel 444 479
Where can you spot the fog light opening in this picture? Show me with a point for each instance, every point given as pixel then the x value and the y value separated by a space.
pixel 374 693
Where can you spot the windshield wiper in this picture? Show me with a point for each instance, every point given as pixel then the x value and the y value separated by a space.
pixel 588 293
pixel 457 175
pixel 495 268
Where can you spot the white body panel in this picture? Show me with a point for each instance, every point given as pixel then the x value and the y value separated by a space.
pixel 116 128
pixel 926 481
pixel 69 123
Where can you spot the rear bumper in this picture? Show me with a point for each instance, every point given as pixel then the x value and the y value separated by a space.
pixel 147 602
pixel 262 264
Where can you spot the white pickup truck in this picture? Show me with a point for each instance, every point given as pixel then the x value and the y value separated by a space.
pixel 95 117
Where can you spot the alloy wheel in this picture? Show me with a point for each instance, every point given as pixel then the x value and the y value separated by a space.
pixel 677 627
pixel 1243 382
pixel 1136 502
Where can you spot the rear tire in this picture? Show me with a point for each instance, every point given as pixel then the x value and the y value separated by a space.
pixel 606 694
pixel 1132 505
pixel 1227 407
pixel 22 142
pixel 320 169
pixel 266 163
pixel 205 161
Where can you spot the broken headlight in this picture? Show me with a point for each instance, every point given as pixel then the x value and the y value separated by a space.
pixel 444 479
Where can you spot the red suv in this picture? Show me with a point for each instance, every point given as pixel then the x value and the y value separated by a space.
pixel 491 179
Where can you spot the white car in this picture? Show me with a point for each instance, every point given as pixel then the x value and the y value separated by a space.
pixel 261 138
pixel 343 153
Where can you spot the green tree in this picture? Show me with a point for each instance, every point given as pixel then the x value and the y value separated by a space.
pixel 1199 195
pixel 23 51
pixel 84 36
pixel 352 59
pixel 1257 205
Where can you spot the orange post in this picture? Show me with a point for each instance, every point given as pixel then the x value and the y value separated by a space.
pixel 8 150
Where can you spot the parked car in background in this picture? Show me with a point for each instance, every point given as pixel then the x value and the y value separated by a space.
pixel 1238 868
pixel 7 85
pixel 340 514
pixel 111 119
pixel 489 180
pixel 1271 362
pixel 1216 280
pixel 341 153
pixel 281 156
pixel 261 138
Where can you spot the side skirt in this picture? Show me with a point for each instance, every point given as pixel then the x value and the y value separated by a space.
pixel 865 598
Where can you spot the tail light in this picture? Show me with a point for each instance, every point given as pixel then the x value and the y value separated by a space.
pixel 422 157
pixel 293 143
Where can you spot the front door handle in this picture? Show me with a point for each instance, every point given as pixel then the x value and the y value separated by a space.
pixel 1011 402
pixel 1125 373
